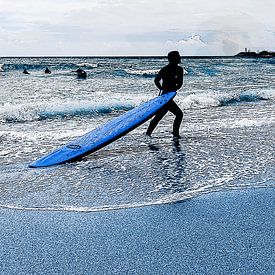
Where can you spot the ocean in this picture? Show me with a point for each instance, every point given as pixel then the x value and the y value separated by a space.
pixel 227 132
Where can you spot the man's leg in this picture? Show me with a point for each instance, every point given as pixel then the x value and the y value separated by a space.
pixel 154 122
pixel 175 109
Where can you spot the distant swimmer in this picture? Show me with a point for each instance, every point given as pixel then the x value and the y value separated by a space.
pixel 81 73
pixel 47 71
pixel 168 79
pixel 25 71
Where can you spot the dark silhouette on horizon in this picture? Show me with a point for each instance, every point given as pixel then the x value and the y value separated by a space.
pixel 25 71
pixel 47 71
pixel 168 79
pixel 262 54
pixel 81 73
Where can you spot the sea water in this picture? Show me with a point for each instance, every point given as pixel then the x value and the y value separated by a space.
pixel 227 131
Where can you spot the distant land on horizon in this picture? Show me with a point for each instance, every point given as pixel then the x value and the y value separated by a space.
pixel 262 54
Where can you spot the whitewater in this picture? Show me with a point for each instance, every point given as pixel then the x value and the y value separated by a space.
pixel 227 132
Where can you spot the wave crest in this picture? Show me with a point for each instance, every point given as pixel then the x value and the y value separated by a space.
pixel 212 99
pixel 7 67
pixel 144 73
pixel 58 109
pixel 85 108
pixel 87 65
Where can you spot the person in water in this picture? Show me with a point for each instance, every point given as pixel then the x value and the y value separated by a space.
pixel 168 79
pixel 25 71
pixel 81 73
pixel 47 71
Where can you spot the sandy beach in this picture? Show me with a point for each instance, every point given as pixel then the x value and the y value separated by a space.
pixel 194 195
pixel 220 233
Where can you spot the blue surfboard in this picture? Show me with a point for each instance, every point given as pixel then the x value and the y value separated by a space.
pixel 105 134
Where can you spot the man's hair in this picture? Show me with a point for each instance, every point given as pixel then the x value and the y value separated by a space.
pixel 173 56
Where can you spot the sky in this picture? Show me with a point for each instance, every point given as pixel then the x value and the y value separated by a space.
pixel 135 27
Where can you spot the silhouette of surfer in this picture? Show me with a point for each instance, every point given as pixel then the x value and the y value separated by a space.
pixel 25 71
pixel 168 79
pixel 47 71
pixel 81 73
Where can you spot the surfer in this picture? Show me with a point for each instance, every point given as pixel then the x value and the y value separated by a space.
pixel 81 73
pixel 25 71
pixel 47 71
pixel 168 79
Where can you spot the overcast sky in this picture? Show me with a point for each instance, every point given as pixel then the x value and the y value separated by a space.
pixel 135 27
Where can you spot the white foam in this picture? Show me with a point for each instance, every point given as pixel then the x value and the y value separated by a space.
pixel 203 100
pixel 229 124
pixel 149 72
pixel 215 99
pixel 142 72
pixel 245 122
pixel 42 135
pixel 267 94
pixel 36 111
pixel 19 112
pixel 87 65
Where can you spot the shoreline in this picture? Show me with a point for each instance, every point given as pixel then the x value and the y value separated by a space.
pixel 123 207
pixel 216 233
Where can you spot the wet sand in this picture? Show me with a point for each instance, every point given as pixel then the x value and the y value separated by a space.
pixel 220 233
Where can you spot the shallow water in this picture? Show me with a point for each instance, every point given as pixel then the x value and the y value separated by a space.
pixel 227 132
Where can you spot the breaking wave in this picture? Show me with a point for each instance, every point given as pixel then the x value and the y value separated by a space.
pixel 87 65
pixel 144 73
pixel 7 67
pixel 85 108
pixel 63 68
pixel 212 99
pixel 59 109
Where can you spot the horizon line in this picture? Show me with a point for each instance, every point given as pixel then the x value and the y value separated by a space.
pixel 115 56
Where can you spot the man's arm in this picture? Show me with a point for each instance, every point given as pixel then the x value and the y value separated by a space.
pixel 180 78
pixel 157 80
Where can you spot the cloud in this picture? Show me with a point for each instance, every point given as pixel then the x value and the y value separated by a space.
pixel 194 40
pixel 189 46
pixel 98 27
pixel 229 47
pixel 234 32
